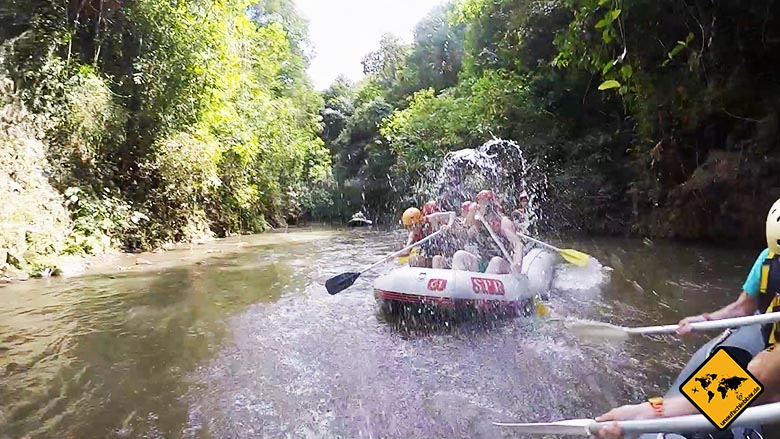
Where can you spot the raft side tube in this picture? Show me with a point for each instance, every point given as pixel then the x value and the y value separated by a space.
pixel 436 284
pixel 539 267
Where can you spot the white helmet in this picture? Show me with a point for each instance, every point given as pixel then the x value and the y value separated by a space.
pixel 773 228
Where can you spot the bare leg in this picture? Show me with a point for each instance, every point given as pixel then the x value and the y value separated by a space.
pixel 498 266
pixel 465 261
pixel 766 368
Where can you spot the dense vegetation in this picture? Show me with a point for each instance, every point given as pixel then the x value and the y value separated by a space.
pixel 130 124
pixel 136 123
pixel 648 116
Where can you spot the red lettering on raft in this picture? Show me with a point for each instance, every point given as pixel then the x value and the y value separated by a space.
pixel 437 284
pixel 493 287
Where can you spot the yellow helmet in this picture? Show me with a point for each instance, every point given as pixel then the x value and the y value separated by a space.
pixel 773 228
pixel 411 216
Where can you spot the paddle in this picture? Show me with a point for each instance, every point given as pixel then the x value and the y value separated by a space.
pixel 497 241
pixel 339 283
pixel 601 330
pixel 541 309
pixel 575 257
pixel 761 415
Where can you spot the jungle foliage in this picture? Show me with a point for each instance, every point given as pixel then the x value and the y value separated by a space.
pixel 156 121
pixel 648 116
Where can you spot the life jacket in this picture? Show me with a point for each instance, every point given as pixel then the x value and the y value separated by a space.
pixel 769 296
pixel 420 233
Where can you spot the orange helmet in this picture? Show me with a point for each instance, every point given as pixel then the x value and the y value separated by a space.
pixel 487 195
pixel 412 216
pixel 430 207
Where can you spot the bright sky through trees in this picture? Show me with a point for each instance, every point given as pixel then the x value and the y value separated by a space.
pixel 343 31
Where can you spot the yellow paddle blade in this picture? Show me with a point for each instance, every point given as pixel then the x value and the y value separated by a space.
pixel 575 257
pixel 541 309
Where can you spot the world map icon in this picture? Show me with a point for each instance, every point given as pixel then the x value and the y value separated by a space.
pixel 724 386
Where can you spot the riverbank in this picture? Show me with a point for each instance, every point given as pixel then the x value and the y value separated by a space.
pixel 166 256
pixel 198 250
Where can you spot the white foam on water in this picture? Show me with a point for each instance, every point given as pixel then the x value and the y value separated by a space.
pixel 569 277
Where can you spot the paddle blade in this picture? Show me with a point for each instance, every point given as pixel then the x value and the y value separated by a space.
pixel 541 309
pixel 575 257
pixel 341 282
pixel 597 330
pixel 402 259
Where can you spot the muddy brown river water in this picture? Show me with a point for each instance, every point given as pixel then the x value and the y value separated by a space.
pixel 238 339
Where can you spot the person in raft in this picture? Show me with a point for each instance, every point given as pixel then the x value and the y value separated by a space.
pixel 420 226
pixel 485 255
pixel 454 239
pixel 523 217
pixel 761 292
pixel 435 249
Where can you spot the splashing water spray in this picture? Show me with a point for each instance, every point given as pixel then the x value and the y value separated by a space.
pixel 497 165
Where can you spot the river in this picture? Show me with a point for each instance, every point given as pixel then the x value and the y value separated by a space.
pixel 238 338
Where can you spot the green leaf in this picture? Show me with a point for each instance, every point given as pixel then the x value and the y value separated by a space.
pixel 603 2
pixel 607 67
pixel 627 71
pixel 609 17
pixel 609 84
pixel 689 38
pixel 607 36
pixel 677 49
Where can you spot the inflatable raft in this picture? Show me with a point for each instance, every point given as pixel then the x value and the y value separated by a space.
pixel 411 288
pixel 359 220
pixel 743 343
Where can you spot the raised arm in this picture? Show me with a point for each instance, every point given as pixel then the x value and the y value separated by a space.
pixel 440 217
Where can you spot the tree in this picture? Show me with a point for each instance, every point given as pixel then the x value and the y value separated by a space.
pixel 386 64
pixel 437 52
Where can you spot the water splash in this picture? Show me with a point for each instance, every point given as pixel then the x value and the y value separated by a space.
pixel 498 165
pixel 589 278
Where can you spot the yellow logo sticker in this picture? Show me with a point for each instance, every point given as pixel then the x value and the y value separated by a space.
pixel 721 389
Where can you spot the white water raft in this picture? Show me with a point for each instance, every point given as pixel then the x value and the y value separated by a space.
pixel 466 289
